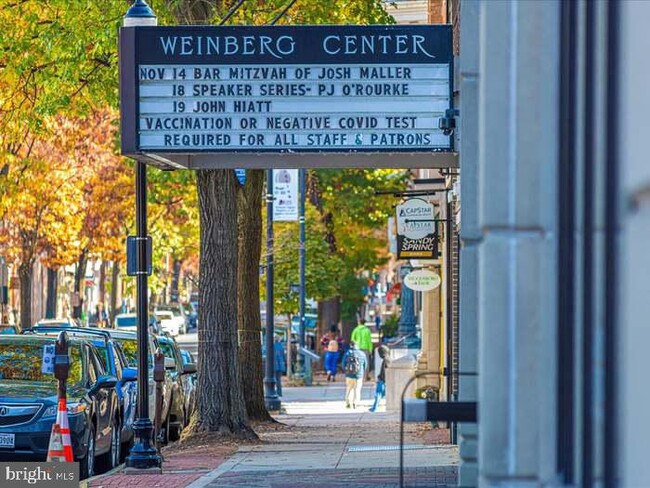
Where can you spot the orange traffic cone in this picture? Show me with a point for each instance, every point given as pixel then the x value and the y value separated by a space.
pixel 60 449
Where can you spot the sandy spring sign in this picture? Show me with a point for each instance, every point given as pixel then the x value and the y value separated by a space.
pixel 207 96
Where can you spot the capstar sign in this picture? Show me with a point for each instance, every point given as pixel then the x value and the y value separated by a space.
pixel 415 219
pixel 291 96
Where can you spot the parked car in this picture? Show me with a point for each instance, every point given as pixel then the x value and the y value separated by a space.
pixel 28 400
pixel 126 321
pixel 60 322
pixel 168 323
pixel 9 329
pixel 115 364
pixel 128 342
pixel 178 315
pixel 183 389
pixel 191 377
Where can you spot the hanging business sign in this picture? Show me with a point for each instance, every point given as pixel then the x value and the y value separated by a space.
pixel 287 96
pixel 422 280
pixel 415 218
pixel 416 230
pixel 424 248
pixel 285 195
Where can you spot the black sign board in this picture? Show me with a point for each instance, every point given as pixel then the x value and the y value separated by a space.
pixel 287 96
pixel 424 248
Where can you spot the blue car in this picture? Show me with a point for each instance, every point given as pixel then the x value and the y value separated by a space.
pixel 28 402
pixel 115 364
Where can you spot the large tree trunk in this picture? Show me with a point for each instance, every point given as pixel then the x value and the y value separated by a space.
pixel 25 276
pixel 50 304
pixel 115 277
pixel 79 276
pixel 220 403
pixel 249 222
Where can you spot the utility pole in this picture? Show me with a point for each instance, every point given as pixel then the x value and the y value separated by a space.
pixel 304 365
pixel 271 399
pixel 143 455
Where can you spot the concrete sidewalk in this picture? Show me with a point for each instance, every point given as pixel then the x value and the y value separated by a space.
pixel 317 443
pixel 324 444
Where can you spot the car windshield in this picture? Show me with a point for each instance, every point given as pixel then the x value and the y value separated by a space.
pixel 130 349
pixel 126 321
pixel 164 315
pixel 102 349
pixel 24 362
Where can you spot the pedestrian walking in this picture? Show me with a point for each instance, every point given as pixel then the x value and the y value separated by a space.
pixel 380 388
pixel 332 354
pixel 362 336
pixel 279 363
pixel 354 367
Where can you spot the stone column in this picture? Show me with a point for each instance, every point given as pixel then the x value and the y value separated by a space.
pixel 429 358
pixel 517 187
pixel 470 234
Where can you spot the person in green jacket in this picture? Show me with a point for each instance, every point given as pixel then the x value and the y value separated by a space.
pixel 362 337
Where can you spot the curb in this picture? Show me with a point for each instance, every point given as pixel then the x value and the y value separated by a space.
pixel 224 467
pixel 86 483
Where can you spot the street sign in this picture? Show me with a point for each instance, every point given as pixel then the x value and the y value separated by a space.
pixel 241 176
pixel 287 96
pixel 285 195
pixel 415 219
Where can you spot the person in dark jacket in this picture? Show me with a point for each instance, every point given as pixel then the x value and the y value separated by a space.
pixel 354 367
pixel 380 389
pixel 279 363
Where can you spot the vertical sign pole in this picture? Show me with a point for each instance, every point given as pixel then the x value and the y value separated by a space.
pixel 271 399
pixel 303 368
pixel 143 454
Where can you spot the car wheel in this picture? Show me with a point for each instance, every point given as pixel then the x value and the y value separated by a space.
pixel 115 454
pixel 87 467
pixel 164 435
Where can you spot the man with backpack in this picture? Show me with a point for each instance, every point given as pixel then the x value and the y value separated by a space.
pixel 354 368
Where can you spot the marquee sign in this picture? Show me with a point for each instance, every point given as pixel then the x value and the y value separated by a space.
pixel 289 96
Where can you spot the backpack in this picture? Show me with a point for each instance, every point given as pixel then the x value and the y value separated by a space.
pixel 352 364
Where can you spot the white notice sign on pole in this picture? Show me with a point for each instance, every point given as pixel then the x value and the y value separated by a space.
pixel 285 195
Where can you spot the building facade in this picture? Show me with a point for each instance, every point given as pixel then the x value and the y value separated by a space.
pixel 554 229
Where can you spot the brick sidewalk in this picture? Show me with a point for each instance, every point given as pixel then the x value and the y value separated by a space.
pixel 180 469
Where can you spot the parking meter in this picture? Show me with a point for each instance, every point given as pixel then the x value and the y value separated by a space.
pixel 61 362
pixel 158 377
pixel 158 366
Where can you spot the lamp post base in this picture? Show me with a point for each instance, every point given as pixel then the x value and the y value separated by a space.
pixel 143 454
pixel 271 398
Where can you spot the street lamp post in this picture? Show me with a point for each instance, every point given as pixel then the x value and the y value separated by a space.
pixel 408 320
pixel 143 454
pixel 304 366
pixel 271 399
